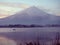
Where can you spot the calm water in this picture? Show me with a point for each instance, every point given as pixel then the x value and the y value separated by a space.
pixel 17 35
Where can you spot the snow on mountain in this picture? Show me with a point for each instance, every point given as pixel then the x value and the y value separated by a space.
pixel 31 15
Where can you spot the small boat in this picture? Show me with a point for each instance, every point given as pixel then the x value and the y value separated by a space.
pixel 14 29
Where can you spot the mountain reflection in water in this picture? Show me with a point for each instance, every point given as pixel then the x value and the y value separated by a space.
pixel 6 41
pixel 26 36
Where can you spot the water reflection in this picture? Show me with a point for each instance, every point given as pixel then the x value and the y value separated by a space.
pixel 6 41
pixel 27 36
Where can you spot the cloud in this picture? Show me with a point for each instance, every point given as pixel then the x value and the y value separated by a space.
pixel 19 5
pixel 5 13
pixel 7 9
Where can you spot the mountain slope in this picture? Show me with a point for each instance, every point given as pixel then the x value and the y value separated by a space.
pixel 31 15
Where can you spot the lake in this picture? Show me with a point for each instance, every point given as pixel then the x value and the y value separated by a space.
pixel 15 36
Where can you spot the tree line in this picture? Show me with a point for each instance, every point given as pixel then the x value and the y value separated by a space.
pixel 32 25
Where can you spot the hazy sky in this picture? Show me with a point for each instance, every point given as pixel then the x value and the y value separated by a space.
pixel 9 7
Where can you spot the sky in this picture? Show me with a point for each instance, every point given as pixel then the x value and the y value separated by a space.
pixel 10 7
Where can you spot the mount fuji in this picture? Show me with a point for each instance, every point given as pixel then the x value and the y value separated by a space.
pixel 31 15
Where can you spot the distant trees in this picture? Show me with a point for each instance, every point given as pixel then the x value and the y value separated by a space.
pixel 28 26
pixel 20 26
pixel 53 25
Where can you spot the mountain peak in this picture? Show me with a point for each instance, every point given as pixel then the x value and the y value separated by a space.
pixel 33 7
pixel 34 11
pixel 31 15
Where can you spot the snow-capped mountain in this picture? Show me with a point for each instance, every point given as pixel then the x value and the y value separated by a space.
pixel 31 15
